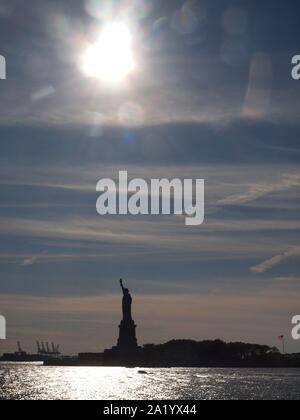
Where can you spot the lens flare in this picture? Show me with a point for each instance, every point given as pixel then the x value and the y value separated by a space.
pixel 111 57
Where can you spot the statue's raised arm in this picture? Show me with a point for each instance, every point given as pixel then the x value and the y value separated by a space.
pixel 121 284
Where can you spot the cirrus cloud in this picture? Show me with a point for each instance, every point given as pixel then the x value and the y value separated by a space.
pixel 276 260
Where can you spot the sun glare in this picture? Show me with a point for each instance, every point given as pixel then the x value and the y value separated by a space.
pixel 111 57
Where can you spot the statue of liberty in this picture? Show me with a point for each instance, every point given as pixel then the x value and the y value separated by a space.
pixel 127 338
pixel 126 303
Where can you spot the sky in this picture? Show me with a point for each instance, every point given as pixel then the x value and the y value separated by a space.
pixel 211 97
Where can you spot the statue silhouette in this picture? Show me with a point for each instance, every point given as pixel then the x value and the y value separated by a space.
pixel 126 303
pixel 127 339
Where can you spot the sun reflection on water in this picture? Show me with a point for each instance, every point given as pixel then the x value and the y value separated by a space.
pixel 113 383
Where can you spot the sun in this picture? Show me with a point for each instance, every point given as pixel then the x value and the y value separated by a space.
pixel 111 57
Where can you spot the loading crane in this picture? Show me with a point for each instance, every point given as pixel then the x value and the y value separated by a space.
pixel 44 349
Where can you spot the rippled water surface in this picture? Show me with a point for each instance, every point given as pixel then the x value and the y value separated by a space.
pixel 39 382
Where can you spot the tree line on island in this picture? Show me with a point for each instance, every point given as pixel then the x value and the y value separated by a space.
pixel 215 353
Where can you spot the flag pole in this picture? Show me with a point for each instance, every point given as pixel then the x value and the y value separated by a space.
pixel 282 338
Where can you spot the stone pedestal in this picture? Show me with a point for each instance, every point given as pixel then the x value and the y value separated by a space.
pixel 127 337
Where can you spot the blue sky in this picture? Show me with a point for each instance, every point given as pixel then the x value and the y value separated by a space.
pixel 212 98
